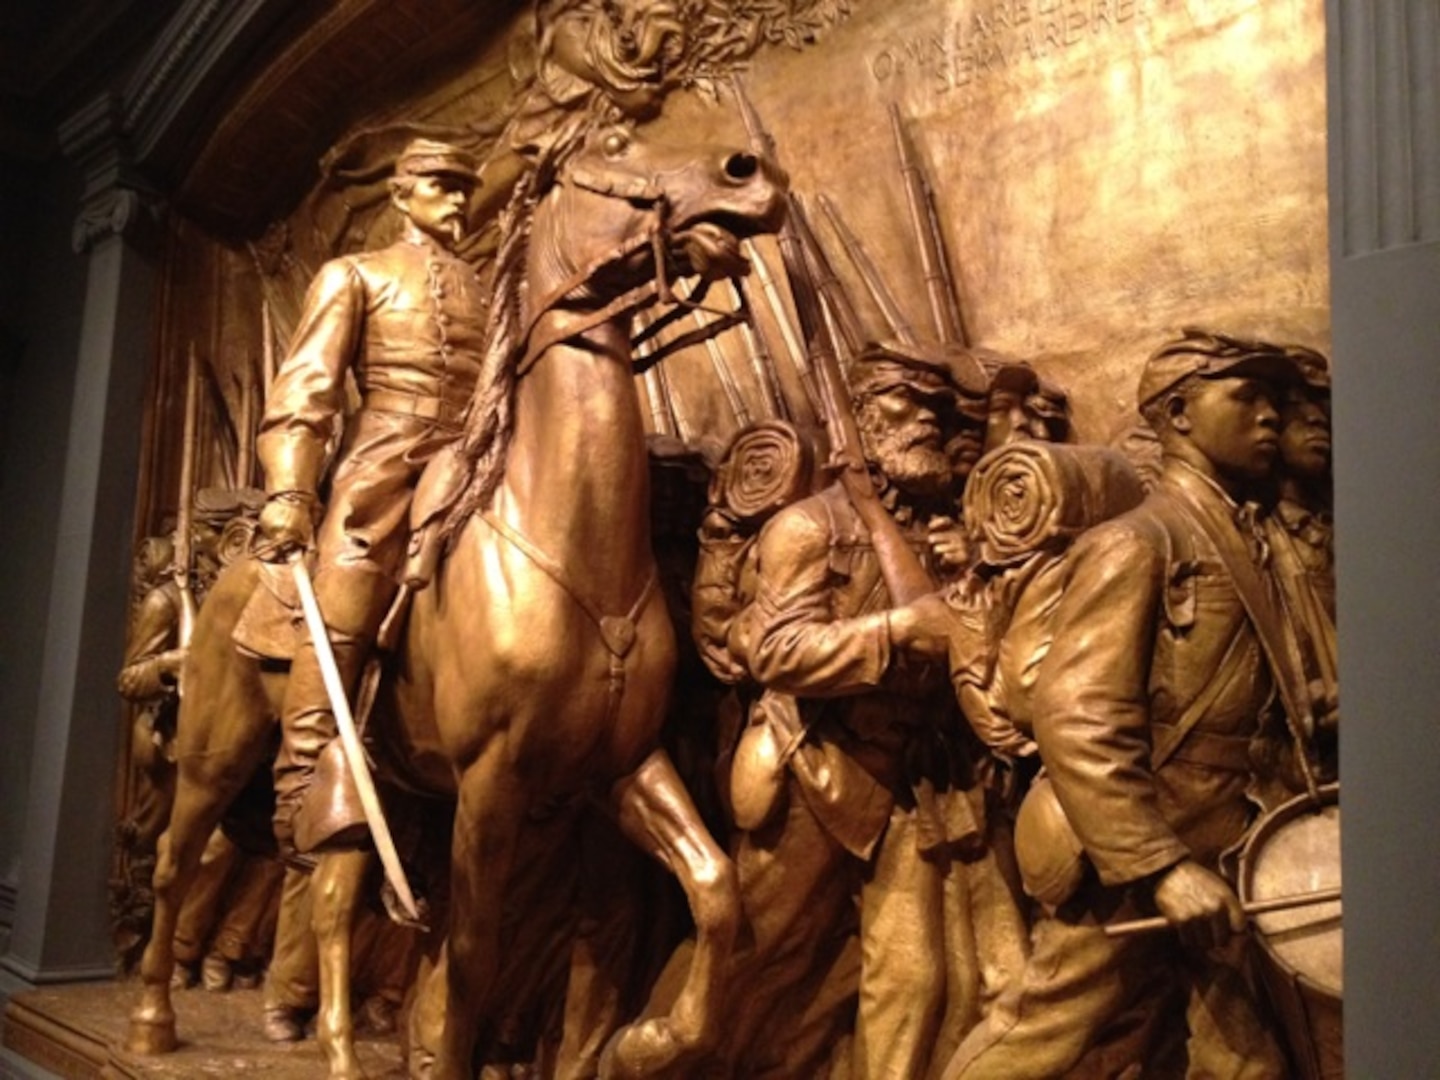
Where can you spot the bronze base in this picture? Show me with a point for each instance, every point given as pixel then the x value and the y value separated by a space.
pixel 81 1032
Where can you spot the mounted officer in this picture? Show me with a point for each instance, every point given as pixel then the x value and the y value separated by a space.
pixel 407 322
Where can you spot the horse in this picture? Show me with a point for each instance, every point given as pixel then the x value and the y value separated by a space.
pixel 536 667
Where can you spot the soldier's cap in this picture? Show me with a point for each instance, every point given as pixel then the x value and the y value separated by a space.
pixel 1314 369
pixel 932 368
pixel 427 157
pixel 217 505
pixel 1014 376
pixel 1212 356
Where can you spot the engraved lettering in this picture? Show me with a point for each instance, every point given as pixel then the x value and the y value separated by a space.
pixel 998 34
pixel 1052 33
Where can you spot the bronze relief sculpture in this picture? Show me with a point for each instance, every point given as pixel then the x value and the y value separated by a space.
pixel 980 696
pixel 579 567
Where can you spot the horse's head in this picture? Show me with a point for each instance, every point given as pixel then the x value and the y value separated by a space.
pixel 624 211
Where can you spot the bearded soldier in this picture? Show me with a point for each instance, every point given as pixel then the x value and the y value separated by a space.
pixel 407 322
pixel 875 796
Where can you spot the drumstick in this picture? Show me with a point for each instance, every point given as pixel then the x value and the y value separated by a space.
pixel 1253 907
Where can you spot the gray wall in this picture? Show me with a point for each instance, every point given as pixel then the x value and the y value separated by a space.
pixel 1384 143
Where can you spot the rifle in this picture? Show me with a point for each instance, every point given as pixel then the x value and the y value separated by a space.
pixel 904 577
pixel 770 290
pixel 836 301
pixel 920 197
pixel 721 366
pixel 869 274
pixel 269 365
pixel 185 516
pixel 759 352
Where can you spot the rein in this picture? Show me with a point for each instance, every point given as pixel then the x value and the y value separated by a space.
pixel 647 193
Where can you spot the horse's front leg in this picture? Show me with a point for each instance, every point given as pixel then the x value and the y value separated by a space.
pixel 492 805
pixel 335 892
pixel 656 811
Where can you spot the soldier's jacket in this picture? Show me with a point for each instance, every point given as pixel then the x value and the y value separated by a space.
pixel 408 320
pixel 1150 618
pixel 154 629
pixel 816 629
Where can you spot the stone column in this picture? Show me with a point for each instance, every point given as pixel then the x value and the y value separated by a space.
pixel 61 928
pixel 1384 94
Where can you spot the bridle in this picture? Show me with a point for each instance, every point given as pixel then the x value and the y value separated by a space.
pixel 646 193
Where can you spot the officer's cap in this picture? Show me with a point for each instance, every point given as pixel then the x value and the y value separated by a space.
pixel 427 157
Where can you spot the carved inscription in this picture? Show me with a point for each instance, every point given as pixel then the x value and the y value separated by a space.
pixel 998 36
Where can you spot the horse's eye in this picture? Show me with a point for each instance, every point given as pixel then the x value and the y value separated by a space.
pixel 615 144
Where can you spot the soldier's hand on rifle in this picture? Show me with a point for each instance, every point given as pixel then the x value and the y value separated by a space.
pixel 287 525
pixel 949 543
pixel 922 627
pixel 1200 904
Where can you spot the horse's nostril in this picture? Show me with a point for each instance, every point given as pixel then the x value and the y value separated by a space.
pixel 741 166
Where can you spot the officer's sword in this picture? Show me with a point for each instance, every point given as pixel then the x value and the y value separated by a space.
pixel 350 741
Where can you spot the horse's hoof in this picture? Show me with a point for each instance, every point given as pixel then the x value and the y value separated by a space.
pixel 349 1070
pixel 647 1049
pixel 421 1064
pixel 151 1033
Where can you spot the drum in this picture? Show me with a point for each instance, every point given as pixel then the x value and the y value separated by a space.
pixel 1295 849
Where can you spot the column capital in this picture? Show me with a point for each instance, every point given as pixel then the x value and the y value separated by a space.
pixel 117 201
pixel 117 211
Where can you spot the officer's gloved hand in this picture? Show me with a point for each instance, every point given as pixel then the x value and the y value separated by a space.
pixel 287 525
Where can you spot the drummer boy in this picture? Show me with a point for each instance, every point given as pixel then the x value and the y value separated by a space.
pixel 1148 711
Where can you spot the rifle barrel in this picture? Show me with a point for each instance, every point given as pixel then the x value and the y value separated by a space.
pixel 832 290
pixel 721 367
pixel 918 199
pixel 869 274
pixel 185 513
pixel 758 350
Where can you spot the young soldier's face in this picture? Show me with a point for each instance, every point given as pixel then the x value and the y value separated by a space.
pixel 1304 434
pixel 1234 423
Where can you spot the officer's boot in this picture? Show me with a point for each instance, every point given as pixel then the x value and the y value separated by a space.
pixel 316 802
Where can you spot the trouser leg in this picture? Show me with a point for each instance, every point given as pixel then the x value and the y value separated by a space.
pixel 903 963
pixel 1076 981
pixel 201 908
pixel 1229 1037
pixel 797 887
pixel 293 980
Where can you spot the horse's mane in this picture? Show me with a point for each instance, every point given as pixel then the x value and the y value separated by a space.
pixel 489 421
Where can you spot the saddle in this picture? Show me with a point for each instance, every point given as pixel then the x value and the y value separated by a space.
pixel 271 625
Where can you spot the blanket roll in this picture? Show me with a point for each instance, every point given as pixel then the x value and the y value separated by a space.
pixel 1035 496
